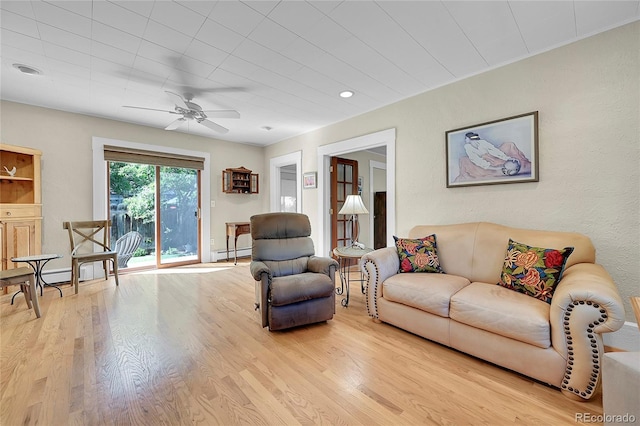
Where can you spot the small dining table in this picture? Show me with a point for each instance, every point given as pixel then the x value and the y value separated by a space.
pixel 37 262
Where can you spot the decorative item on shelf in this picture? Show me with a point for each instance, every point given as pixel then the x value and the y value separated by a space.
pixel 354 206
pixel 239 181
pixel 11 172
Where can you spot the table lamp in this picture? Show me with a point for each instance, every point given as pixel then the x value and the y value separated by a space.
pixel 354 206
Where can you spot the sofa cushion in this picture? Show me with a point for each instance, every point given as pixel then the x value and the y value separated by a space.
pixel 534 271
pixel 502 311
pixel 418 255
pixel 428 292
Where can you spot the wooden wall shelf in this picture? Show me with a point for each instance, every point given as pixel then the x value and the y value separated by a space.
pixel 239 180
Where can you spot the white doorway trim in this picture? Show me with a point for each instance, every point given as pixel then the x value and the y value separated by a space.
pixel 383 138
pixel 100 186
pixel 274 172
pixel 373 165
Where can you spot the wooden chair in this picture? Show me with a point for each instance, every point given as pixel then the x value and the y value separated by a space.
pixel 90 243
pixel 26 278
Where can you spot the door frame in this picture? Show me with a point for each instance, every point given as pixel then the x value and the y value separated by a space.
pixel 275 164
pixel 382 138
pixel 374 165
pixel 100 186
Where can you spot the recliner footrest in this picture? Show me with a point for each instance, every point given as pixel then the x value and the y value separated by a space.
pixel 298 288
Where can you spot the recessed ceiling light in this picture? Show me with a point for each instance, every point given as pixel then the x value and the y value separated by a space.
pixel 26 69
pixel 346 94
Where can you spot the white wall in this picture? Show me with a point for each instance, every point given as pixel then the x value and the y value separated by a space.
pixel 588 98
pixel 65 140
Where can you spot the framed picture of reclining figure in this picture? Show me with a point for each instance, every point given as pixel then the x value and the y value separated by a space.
pixel 499 151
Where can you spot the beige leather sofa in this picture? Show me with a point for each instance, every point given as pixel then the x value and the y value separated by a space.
pixel 558 343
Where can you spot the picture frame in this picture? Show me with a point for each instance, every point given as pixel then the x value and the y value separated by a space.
pixel 496 152
pixel 309 180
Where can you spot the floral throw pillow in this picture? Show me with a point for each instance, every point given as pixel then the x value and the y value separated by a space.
pixel 418 255
pixel 533 271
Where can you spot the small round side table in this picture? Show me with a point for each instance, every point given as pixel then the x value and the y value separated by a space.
pixel 37 262
pixel 346 257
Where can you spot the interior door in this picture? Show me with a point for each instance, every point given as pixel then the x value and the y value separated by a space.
pixel 379 220
pixel 288 189
pixel 344 181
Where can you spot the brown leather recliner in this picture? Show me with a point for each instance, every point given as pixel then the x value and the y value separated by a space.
pixel 293 286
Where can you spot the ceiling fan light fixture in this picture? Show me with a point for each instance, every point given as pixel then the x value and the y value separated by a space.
pixel 191 111
pixel 26 69
pixel 347 93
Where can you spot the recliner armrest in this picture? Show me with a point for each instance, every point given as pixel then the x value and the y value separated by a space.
pixel 322 265
pixel 377 266
pixel 258 268
pixel 262 274
pixel 585 304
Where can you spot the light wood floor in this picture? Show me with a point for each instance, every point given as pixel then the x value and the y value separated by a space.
pixel 179 347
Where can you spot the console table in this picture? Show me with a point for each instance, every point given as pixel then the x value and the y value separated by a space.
pixel 235 229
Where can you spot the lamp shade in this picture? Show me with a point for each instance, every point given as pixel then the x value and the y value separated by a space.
pixel 353 205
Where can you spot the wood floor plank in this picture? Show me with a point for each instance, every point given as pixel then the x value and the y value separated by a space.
pixel 185 347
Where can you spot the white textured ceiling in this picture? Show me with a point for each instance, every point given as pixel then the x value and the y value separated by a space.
pixel 281 64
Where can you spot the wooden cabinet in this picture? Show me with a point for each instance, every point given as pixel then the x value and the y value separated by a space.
pixel 20 203
pixel 239 181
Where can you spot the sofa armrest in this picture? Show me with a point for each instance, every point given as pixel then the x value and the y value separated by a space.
pixel 585 304
pixel 262 274
pixel 377 266
pixel 323 265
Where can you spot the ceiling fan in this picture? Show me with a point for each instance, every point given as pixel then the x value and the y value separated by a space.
pixel 192 111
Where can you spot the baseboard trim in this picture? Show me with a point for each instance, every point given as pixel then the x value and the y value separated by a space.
pixel 56 276
pixel 221 255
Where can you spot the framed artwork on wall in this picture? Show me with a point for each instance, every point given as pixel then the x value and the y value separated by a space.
pixel 496 152
pixel 309 180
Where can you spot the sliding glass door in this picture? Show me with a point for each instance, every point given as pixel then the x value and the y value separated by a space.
pixel 162 204
pixel 179 215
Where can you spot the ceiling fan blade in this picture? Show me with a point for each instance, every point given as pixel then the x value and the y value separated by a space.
pixel 177 99
pixel 175 124
pixel 149 109
pixel 223 113
pixel 220 90
pixel 213 126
